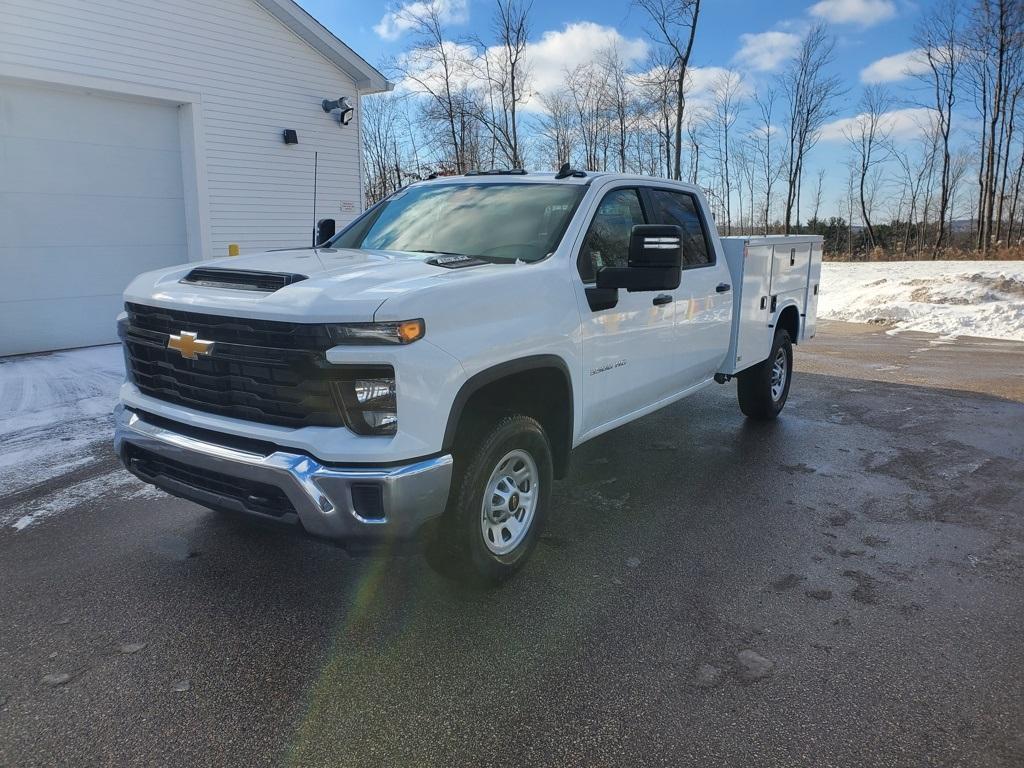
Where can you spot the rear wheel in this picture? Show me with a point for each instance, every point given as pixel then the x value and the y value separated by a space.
pixel 764 388
pixel 499 499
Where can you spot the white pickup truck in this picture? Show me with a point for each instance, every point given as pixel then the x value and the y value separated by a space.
pixel 427 371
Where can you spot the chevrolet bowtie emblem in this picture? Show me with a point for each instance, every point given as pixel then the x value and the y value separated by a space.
pixel 189 345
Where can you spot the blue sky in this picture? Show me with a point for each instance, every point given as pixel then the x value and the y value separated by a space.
pixel 866 30
pixel 873 39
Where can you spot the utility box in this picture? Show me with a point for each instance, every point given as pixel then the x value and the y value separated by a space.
pixel 769 274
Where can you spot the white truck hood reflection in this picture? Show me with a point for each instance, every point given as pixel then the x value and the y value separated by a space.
pixel 342 285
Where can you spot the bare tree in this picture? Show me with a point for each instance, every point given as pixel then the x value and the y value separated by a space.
pixel 725 111
pixel 658 85
pixel 769 167
pixel 439 69
pixel 994 41
pixel 938 36
pixel 587 88
pixel 556 127
pixel 675 27
pixel 818 191
pixel 810 92
pixel 619 99
pixel 506 72
pixel 868 137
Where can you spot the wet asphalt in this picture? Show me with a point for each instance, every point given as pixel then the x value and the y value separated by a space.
pixel 843 587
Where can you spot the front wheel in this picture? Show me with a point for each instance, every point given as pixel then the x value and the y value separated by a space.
pixel 499 499
pixel 764 388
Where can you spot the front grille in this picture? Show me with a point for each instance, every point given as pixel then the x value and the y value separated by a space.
pixel 252 495
pixel 233 330
pixel 266 371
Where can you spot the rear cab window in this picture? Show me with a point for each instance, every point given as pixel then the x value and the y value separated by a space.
pixel 682 209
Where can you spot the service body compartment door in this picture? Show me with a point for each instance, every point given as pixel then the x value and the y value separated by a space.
pixel 754 332
pixel 750 264
pixel 789 270
pixel 810 320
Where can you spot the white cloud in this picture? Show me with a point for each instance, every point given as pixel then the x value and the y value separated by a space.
pixel 901 124
pixel 899 66
pixel 563 50
pixel 864 12
pixel 401 19
pixel 424 72
pixel 765 51
pixel 548 59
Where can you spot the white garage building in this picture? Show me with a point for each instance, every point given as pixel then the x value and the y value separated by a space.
pixel 136 134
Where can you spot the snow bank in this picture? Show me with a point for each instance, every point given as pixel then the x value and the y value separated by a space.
pixel 952 298
pixel 55 412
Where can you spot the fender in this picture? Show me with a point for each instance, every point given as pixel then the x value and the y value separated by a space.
pixel 799 317
pixel 500 371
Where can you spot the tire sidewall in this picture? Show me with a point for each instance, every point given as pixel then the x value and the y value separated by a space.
pixel 782 341
pixel 511 433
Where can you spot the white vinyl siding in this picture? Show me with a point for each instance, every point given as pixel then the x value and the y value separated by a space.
pixel 254 78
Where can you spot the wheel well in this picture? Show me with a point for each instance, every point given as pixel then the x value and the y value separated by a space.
pixel 789 320
pixel 542 393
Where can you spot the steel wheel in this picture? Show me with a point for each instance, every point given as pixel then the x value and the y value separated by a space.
pixel 509 503
pixel 779 369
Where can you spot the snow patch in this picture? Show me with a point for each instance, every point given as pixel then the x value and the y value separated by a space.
pixel 117 484
pixel 55 412
pixel 950 298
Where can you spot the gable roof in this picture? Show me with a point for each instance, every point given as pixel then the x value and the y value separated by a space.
pixel 318 37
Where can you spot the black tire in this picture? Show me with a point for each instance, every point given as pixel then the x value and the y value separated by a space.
pixel 754 385
pixel 461 533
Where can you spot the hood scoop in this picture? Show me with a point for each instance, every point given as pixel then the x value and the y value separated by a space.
pixel 241 279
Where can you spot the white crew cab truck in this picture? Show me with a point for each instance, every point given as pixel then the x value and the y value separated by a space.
pixel 437 360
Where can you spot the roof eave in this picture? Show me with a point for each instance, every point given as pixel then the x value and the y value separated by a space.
pixel 318 37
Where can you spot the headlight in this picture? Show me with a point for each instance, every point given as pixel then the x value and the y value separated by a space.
pixel 369 402
pixel 401 332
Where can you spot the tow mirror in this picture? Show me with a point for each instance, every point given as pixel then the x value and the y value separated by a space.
pixel 655 260
pixel 324 232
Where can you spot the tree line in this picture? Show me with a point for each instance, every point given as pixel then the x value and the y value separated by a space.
pixel 948 183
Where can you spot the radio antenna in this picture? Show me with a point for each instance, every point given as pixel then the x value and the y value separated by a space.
pixel 315 162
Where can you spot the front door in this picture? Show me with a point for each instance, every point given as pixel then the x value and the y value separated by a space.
pixel 627 349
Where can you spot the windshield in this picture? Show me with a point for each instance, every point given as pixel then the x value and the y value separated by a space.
pixel 504 222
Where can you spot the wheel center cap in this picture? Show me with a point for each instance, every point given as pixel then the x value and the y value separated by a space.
pixel 513 502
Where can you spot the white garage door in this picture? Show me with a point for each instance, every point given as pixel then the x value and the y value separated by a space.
pixel 90 196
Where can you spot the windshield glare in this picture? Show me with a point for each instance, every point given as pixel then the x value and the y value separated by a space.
pixel 504 222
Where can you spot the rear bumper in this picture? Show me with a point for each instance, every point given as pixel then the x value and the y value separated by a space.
pixel 334 502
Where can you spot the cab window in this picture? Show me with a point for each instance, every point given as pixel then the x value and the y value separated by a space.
pixel 607 241
pixel 680 208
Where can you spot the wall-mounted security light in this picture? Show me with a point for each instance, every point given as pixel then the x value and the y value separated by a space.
pixel 341 107
pixel 290 136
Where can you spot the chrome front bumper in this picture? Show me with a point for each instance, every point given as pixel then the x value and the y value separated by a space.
pixel 320 496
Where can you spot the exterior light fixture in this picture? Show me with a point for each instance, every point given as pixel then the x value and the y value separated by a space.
pixel 290 136
pixel 341 106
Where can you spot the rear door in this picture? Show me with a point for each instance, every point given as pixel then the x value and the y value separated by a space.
pixel 703 301
pixel 628 356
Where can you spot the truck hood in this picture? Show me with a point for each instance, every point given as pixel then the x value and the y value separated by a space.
pixel 342 284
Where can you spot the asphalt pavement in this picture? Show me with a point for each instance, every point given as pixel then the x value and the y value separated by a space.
pixel 843 587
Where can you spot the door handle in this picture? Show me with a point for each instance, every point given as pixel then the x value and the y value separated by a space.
pixel 722 287
pixel 662 298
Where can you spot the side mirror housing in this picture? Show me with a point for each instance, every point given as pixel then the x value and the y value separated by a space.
pixel 324 231
pixel 655 260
